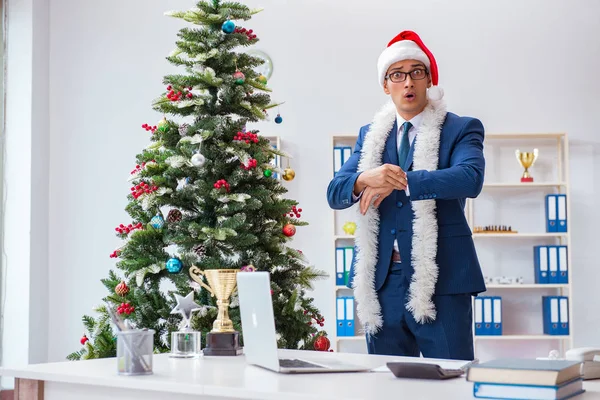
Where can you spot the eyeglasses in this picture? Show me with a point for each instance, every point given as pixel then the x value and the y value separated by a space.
pixel 415 75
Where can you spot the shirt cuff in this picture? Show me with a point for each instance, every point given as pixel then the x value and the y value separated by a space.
pixel 356 198
pixel 406 190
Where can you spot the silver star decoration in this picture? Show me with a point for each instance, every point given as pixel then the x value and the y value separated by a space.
pixel 186 307
pixel 181 183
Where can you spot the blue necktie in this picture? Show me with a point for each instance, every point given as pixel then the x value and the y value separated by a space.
pixel 404 144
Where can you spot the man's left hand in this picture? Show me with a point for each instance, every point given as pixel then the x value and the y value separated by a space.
pixel 370 193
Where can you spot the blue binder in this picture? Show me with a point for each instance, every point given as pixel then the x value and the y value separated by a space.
pixel 341 316
pixel 349 329
pixel 339 266
pixel 541 264
pixel 346 154
pixel 555 315
pixel 561 207
pixel 553 264
pixel 496 315
pixel 551 213
pixel 338 159
pixel 478 318
pixel 563 265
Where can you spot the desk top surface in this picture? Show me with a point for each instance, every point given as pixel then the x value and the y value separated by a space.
pixel 233 378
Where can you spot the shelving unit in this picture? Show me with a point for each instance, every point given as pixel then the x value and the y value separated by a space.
pixel 521 192
pixel 340 238
pixel 557 184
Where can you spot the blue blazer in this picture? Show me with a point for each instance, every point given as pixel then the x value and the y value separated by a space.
pixel 459 176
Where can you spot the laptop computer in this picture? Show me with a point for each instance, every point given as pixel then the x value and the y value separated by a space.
pixel 258 327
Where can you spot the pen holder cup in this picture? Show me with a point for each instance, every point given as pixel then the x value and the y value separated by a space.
pixel 134 352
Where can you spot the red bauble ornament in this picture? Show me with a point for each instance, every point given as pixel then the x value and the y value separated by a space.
pixel 289 230
pixel 122 289
pixel 322 343
pixel 83 340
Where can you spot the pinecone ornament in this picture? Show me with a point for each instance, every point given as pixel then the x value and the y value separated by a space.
pixel 183 129
pixel 200 250
pixel 174 216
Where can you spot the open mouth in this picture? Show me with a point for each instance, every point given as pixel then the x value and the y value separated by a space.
pixel 409 96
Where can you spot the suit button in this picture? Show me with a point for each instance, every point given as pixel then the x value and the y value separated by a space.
pixel 393 231
pixel 399 204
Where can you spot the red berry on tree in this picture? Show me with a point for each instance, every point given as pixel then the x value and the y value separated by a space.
pixel 83 340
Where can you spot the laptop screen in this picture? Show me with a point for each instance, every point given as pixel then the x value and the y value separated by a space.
pixel 257 317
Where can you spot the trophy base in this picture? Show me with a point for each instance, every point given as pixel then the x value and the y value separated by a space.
pixel 529 179
pixel 223 344
pixel 186 344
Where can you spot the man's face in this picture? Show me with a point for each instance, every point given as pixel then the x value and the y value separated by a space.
pixel 410 95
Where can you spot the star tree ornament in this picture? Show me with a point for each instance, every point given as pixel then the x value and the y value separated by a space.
pixel 186 306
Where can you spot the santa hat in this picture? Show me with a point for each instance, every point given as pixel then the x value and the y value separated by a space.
pixel 407 45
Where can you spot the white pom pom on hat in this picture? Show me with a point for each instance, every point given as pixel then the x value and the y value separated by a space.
pixel 407 45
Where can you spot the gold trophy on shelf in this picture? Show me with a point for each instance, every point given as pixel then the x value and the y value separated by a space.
pixel 223 340
pixel 526 159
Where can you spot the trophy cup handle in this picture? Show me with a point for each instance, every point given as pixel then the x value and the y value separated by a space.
pixel 196 274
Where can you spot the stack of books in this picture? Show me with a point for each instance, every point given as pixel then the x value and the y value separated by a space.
pixel 526 379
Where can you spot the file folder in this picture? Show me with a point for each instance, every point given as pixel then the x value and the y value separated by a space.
pixel 478 316
pixel 562 212
pixel 563 267
pixel 540 262
pixel 347 153
pixel 339 266
pixel 563 314
pixel 550 306
pixel 551 213
pixel 349 330
pixel 497 316
pixel 348 258
pixel 338 159
pixel 487 316
pixel 341 316
pixel 552 264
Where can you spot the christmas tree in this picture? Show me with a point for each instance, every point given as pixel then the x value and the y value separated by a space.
pixel 204 194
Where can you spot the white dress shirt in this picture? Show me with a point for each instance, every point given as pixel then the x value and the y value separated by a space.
pixel 412 133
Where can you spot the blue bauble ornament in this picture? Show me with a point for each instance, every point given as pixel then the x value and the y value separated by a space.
pixel 157 221
pixel 278 119
pixel 228 26
pixel 174 265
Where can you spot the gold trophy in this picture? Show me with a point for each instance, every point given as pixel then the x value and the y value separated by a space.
pixel 223 340
pixel 526 159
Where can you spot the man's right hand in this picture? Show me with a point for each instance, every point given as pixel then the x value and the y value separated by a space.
pixel 387 175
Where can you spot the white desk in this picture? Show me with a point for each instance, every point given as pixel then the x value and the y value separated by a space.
pixel 230 378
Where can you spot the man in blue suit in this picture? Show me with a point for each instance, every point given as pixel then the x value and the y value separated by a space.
pixel 415 269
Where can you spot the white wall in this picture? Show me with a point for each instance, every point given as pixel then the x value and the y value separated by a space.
pixel 518 66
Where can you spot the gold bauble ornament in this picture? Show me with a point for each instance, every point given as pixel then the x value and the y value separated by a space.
pixel 288 174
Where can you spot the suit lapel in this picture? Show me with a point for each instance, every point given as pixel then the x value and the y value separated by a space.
pixel 391 145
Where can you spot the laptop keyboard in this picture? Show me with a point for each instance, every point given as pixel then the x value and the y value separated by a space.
pixel 287 363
